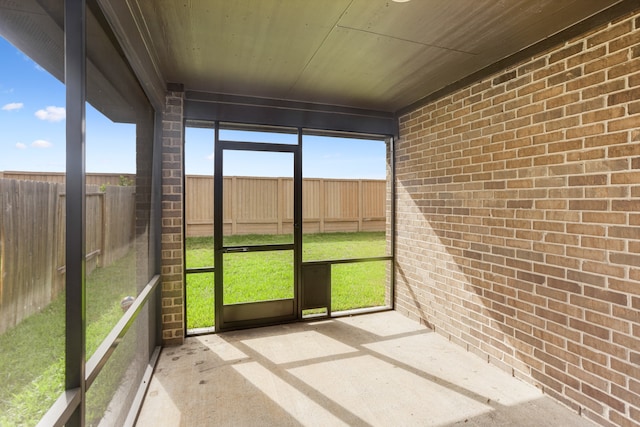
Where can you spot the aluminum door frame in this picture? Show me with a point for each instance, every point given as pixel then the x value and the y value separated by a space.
pixel 269 312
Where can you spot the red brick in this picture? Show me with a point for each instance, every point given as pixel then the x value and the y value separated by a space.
pixel 604 115
pixel 625 205
pixel 566 122
pixel 623 97
pixel 588 180
pixel 624 69
pixel 631 315
pixel 585 402
pixel 599 243
pixel 585 155
pixel 532 66
pixel 531 88
pixel 590 329
pixel 603 268
pixel 623 42
pixel 516 215
pixel 625 368
pixel 606 139
pixel 590 303
pixel 608 192
pixel 609 34
pixel 565 76
pixel 623 232
pixel 552 316
pixel 546 380
pixel 607 321
pixel 603 397
pixel 604 295
pixel 605 62
pixel 623 124
pixel 625 259
pixel 603 89
pixel 589 205
pixel 566 52
pixel 611 349
pixel 633 108
pixel 624 421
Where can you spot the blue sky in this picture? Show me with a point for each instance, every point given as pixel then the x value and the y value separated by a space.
pixel 32 117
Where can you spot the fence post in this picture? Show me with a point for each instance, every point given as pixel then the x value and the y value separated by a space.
pixel 280 204
pixel 103 230
pixel 60 235
pixel 360 204
pixel 234 205
pixel 321 204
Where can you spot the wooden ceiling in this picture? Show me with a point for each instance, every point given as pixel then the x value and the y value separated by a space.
pixel 376 55
pixel 370 54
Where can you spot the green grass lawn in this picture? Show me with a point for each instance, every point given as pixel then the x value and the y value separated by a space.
pixel 32 353
pixel 259 276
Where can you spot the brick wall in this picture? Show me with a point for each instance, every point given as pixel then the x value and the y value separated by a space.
pixel 518 220
pixel 172 217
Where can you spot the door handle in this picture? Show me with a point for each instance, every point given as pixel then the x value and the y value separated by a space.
pixel 239 249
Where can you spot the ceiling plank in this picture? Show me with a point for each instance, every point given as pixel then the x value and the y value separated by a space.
pixel 371 54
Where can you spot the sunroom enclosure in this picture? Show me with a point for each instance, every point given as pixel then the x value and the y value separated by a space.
pixel 513 149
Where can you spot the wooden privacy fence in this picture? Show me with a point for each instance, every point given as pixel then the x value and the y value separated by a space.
pixel 32 238
pixel 92 178
pixel 32 224
pixel 265 205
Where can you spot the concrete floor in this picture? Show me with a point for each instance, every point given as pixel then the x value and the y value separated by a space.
pixel 372 370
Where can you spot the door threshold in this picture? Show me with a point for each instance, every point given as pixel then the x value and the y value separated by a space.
pixel 201 331
pixel 358 311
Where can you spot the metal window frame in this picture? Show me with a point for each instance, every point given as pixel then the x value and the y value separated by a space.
pixel 69 408
pixel 75 306
pixel 64 410
pixel 203 120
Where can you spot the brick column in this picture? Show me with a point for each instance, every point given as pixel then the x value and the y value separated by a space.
pixel 173 319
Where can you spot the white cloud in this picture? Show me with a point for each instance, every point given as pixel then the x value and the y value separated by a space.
pixel 12 106
pixel 21 146
pixel 210 156
pixel 41 143
pixel 52 114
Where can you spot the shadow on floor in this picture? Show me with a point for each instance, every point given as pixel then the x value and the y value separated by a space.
pixel 372 370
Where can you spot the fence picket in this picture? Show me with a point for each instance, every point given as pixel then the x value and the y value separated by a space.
pixel 32 223
pixel 265 205
pixel 32 235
